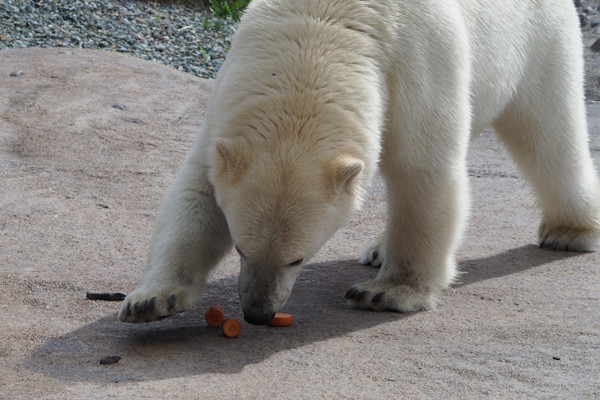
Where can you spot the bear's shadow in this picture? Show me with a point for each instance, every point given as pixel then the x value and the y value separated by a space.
pixel 184 345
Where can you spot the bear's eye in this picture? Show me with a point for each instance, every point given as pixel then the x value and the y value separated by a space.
pixel 296 263
pixel 239 252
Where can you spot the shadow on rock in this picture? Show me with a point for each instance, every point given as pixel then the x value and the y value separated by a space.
pixel 509 262
pixel 185 346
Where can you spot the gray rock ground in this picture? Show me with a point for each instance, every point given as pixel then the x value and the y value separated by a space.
pixel 82 179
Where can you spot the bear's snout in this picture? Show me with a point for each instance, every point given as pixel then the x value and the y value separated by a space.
pixel 263 289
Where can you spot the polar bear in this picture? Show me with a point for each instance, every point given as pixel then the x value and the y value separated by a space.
pixel 315 95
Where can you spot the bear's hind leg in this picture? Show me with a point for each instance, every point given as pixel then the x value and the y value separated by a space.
pixel 548 140
pixel 190 237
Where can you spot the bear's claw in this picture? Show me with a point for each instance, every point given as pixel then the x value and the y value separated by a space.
pixel 171 301
pixel 377 298
pixel 360 298
pixel 355 294
pixel 145 306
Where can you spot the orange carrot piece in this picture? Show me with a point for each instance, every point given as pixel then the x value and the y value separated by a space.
pixel 231 327
pixel 281 319
pixel 214 316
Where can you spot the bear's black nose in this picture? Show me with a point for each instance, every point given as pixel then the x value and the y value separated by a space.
pixel 258 318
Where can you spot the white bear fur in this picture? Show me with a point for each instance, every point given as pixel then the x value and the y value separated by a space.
pixel 316 94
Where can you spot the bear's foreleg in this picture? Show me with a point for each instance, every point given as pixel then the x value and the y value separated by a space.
pixel 426 216
pixel 190 237
pixel 424 165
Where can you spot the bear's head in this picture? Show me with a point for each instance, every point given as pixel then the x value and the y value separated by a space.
pixel 282 200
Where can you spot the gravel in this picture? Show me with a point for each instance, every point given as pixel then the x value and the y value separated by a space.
pixel 180 36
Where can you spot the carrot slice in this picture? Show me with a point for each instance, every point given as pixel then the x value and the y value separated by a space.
pixel 214 316
pixel 281 319
pixel 231 327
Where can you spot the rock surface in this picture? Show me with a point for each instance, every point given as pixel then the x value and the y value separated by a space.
pixel 89 142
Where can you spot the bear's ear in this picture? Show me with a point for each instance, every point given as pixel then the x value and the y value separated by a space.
pixel 229 159
pixel 345 169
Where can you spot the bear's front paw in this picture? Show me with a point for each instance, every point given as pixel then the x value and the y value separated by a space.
pixel 145 305
pixel 373 254
pixel 379 295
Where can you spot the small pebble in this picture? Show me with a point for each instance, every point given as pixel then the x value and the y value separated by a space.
pixel 17 72
pixel 110 360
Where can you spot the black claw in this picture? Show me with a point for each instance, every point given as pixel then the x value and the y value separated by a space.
pixel 351 293
pixel 140 307
pixel 375 255
pixel 544 242
pixel 171 301
pixel 128 312
pixel 145 305
pixel 361 295
pixel 356 294
pixel 377 298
